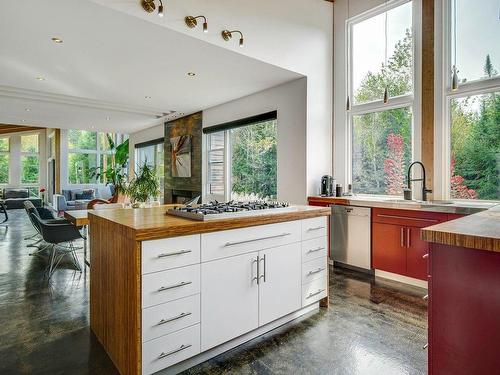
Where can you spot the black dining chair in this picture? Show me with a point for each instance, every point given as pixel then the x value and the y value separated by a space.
pixel 55 234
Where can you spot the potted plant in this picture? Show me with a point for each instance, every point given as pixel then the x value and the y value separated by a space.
pixel 145 187
pixel 117 173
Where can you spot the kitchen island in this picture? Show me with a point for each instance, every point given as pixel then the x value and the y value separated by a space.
pixel 167 293
pixel 464 294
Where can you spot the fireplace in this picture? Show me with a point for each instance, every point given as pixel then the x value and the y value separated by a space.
pixel 180 196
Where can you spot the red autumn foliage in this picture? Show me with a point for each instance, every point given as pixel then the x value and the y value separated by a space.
pixel 458 189
pixel 394 164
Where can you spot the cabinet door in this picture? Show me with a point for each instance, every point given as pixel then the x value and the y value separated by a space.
pixel 229 299
pixel 280 290
pixel 416 265
pixel 388 248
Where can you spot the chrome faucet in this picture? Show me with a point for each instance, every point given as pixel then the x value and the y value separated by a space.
pixel 407 195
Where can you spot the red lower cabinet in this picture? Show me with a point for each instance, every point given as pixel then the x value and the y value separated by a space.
pixel 388 253
pixel 416 264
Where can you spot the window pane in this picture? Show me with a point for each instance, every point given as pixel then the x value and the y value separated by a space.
pixel 475 147
pixel 103 141
pixel 216 140
pixel 254 161
pixel 105 163
pixel 80 168
pixel 381 151
pixel 145 154
pixel 4 169
pixel 370 73
pixel 30 169
pixel 29 143
pixel 4 144
pixel 477 41
pixel 82 140
pixel 160 170
pixel 216 178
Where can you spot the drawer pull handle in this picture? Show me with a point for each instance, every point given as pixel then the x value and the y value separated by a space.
pixel 256 239
pixel 426 297
pixel 425 256
pixel 315 228
pixel 407 218
pixel 315 271
pixel 180 348
pixel 315 250
pixel 181 315
pixel 178 285
pixel 312 294
pixel 164 255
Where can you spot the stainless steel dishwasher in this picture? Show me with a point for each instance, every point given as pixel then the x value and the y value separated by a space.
pixel 350 236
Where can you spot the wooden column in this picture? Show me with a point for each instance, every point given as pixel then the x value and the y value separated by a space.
pixel 427 114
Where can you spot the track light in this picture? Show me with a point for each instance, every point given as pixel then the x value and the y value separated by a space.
pixel 150 6
pixel 227 35
pixel 192 23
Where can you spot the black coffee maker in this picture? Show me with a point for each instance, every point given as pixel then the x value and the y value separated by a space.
pixel 327 186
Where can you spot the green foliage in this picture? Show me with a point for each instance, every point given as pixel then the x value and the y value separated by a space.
pixel 30 170
pixel 4 168
pixel 254 160
pixel 145 186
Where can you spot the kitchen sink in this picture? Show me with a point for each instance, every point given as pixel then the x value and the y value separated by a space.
pixel 417 202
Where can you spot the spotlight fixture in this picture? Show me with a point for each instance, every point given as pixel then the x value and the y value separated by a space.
pixel 40 78
pixel 192 23
pixel 227 35
pixel 150 6
pixel 57 40
pixel 147 97
pixel 27 109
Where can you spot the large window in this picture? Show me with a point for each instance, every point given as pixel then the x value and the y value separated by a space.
pixel 152 153
pixel 87 151
pixel 242 162
pixel 4 160
pixel 473 104
pixel 381 59
pixel 30 160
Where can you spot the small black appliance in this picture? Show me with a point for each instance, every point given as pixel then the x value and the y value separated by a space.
pixel 327 184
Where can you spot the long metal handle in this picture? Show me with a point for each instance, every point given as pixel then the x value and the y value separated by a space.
pixel 426 297
pixel 182 347
pixel 402 235
pixel 315 250
pixel 256 239
pixel 315 271
pixel 315 293
pixel 425 256
pixel 264 274
pixel 164 255
pixel 256 278
pixel 407 218
pixel 315 228
pixel 408 237
pixel 178 285
pixel 168 320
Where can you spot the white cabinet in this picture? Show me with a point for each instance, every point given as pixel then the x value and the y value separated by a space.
pixel 314 228
pixel 229 299
pixel 280 282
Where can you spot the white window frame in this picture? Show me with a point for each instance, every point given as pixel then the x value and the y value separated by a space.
pixel 23 153
pixel 8 154
pixel 444 95
pixel 413 100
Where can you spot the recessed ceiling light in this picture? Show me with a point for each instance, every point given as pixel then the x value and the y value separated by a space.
pixel 27 109
pixel 147 97
pixel 40 78
pixel 191 74
pixel 57 40
pixel 23 120
pixel 92 126
pixel 108 118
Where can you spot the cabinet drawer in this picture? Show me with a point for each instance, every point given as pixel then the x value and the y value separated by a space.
pixel 315 227
pixel 167 253
pixel 165 286
pixel 418 219
pixel 232 242
pixel 314 269
pixel 170 317
pixel 168 350
pixel 314 291
pixel 315 248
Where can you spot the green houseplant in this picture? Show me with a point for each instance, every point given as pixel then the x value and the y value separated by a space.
pixel 144 187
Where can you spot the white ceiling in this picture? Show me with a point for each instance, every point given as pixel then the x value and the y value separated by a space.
pixel 108 63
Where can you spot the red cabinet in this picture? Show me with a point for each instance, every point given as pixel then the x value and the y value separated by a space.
pixel 396 243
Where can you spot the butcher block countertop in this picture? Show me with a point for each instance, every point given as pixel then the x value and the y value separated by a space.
pixel 152 223
pixel 479 231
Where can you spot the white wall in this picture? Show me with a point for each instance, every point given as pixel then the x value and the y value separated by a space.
pixel 155 132
pixel 290 100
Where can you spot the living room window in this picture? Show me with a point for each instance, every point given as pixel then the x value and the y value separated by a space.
pixel 4 160
pixel 152 153
pixel 242 159
pixel 471 100
pixel 381 55
pixel 30 159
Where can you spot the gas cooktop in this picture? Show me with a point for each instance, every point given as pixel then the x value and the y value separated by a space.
pixel 216 210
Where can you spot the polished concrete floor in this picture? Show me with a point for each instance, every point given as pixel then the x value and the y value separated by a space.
pixel 370 328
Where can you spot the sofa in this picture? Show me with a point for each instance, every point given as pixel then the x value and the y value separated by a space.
pixel 14 198
pixel 78 198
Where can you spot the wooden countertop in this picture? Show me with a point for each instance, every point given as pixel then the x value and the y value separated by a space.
pixel 152 223
pixel 479 231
